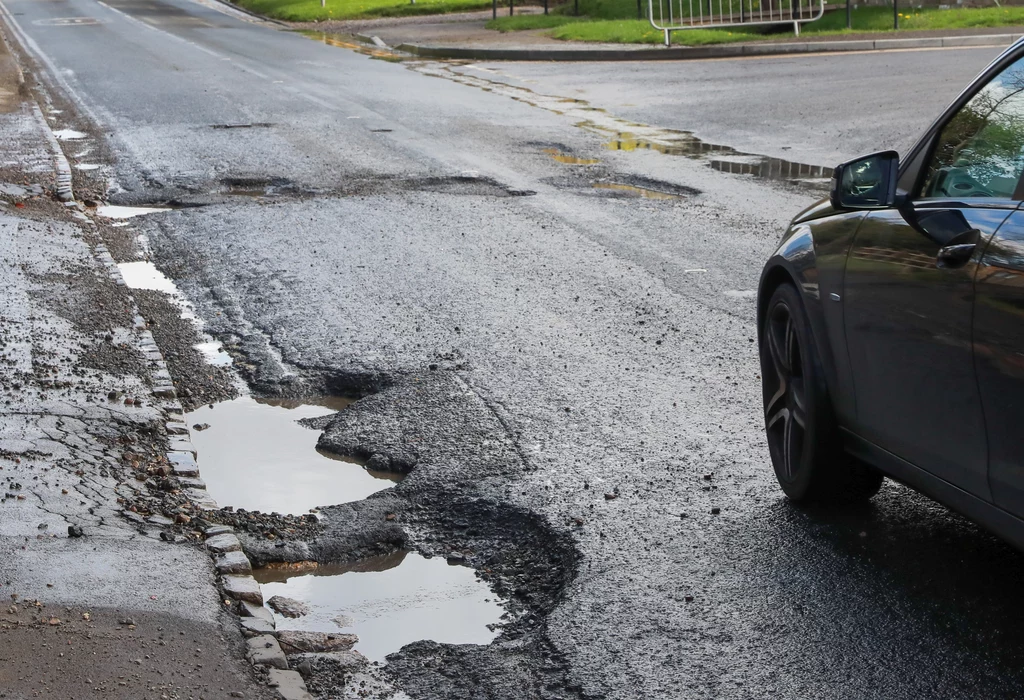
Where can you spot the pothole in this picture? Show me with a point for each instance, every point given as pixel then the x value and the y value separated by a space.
pixel 112 211
pixel 255 455
pixel 69 135
pixel 389 601
pixel 634 191
pixel 569 159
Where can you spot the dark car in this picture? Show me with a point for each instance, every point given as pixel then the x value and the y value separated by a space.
pixel 891 319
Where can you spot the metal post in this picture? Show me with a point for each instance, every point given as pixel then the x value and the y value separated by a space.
pixel 576 7
pixel 796 29
pixel 895 14
pixel 639 9
pixel 545 6
pixel 849 15
pixel 510 4
pixel 668 38
pixel 494 9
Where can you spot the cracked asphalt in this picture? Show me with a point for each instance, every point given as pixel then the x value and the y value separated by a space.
pixel 568 371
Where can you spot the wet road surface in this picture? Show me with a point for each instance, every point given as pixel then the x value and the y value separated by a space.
pixel 414 224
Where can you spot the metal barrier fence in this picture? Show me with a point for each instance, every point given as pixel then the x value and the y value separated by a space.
pixel 677 15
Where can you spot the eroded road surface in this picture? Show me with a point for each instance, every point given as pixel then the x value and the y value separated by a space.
pixel 549 310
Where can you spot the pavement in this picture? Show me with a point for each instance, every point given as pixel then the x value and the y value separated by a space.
pixel 550 324
pixel 94 604
pixel 465 36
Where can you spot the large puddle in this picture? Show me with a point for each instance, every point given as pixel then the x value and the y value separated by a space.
pixel 254 455
pixel 389 602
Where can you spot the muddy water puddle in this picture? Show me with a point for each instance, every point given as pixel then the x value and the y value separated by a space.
pixel 254 455
pixel 635 191
pixel 569 159
pixel 389 601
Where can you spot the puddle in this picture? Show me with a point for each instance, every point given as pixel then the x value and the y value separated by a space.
pixel 144 275
pixel 69 134
pixel 256 456
pixel 111 211
pixel 625 135
pixel 636 191
pixel 352 45
pixel 214 353
pixel 773 169
pixel 568 159
pixel 389 602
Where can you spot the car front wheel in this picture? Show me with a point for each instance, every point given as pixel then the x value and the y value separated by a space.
pixel 803 439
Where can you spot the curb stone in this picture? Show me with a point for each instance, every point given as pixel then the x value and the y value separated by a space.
pixel 702 52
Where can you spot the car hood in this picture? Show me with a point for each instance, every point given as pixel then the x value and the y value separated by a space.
pixel 815 211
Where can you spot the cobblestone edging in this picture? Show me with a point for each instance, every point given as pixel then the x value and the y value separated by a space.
pixel 233 568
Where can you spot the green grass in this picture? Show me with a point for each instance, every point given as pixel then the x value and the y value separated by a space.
pixel 614 21
pixel 310 10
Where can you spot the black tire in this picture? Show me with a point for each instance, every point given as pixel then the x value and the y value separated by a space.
pixel 803 439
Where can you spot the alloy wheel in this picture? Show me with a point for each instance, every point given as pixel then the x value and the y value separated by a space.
pixel 786 411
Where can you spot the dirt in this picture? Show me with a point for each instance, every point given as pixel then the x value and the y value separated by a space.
pixel 78 652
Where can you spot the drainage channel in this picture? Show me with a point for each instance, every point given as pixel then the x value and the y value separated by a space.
pixel 388 602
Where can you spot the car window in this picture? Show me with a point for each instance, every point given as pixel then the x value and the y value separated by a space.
pixel 980 151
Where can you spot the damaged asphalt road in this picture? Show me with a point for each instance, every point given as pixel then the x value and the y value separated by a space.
pixel 567 372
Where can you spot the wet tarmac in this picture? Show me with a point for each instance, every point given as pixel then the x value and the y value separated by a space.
pixel 254 455
pixel 389 601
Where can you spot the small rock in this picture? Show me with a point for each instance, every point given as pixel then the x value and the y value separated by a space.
pixel 201 427
pixel 716 511
pixel 75 531
pixel 343 621
pixel 288 606
pixel 610 496
pixel 295 642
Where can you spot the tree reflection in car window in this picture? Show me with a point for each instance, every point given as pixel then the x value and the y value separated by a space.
pixel 980 151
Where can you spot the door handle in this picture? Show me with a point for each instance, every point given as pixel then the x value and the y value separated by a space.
pixel 955 255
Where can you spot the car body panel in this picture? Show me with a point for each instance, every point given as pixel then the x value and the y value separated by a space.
pixel 999 359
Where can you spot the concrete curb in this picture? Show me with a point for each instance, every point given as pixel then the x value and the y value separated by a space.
pixel 60 161
pixel 702 52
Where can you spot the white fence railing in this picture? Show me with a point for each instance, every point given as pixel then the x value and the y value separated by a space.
pixel 676 15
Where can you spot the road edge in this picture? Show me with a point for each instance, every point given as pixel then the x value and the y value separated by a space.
pixel 682 53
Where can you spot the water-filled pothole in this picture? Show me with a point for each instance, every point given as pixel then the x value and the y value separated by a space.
pixel 635 191
pixel 254 455
pixel 569 159
pixel 389 601
pixel 112 211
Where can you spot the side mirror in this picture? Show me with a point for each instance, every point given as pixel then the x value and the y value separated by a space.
pixel 868 182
